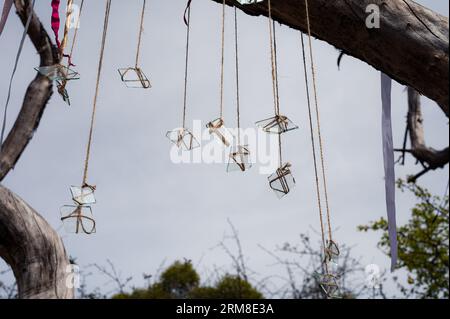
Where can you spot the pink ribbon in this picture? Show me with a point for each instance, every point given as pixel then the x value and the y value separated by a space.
pixel 6 9
pixel 56 20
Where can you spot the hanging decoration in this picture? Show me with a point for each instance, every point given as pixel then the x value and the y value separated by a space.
pixel 282 181
pixel 182 137
pixel 62 83
pixel 239 158
pixel 13 73
pixel 59 72
pixel 84 196
pixel 217 127
pixel 134 77
pixel 389 165
pixel 328 280
pixel 5 13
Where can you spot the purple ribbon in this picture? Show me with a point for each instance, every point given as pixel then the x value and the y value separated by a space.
pixel 389 163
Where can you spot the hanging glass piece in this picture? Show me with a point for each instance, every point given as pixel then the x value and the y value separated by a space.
pixel 277 125
pixel 239 159
pixel 133 77
pixel 183 138
pixel 78 219
pixel 219 131
pixel 331 251
pixel 61 86
pixel 282 181
pixel 58 72
pixel 328 284
pixel 83 195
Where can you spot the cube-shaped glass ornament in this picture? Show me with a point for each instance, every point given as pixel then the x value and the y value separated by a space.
pixel 134 78
pixel 58 72
pixel 331 251
pixel 329 285
pixel 239 159
pixel 282 181
pixel 78 219
pixel 220 132
pixel 183 139
pixel 277 125
pixel 61 86
pixel 83 195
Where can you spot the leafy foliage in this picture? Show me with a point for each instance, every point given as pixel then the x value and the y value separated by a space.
pixel 181 281
pixel 423 244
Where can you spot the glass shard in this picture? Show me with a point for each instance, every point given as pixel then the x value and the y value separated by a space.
pixel 183 138
pixel 277 125
pixel 83 195
pixel 220 132
pixel 134 78
pixel 78 219
pixel 239 159
pixel 282 181
pixel 58 72
pixel 61 86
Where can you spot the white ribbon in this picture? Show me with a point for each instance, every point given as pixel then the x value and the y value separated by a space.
pixel 6 9
pixel 389 170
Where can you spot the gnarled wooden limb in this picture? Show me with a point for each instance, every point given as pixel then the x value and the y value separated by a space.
pixel 28 244
pixel 411 46
pixel 430 158
pixel 33 249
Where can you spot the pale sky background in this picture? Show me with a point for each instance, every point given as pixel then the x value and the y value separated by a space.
pixel 150 209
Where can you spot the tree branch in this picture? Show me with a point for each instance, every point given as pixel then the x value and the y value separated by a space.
pixel 411 46
pixel 38 93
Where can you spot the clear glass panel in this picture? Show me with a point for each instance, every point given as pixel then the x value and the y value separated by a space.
pixel 220 132
pixel 58 72
pixel 329 285
pixel 83 195
pixel 134 78
pixel 277 125
pixel 239 159
pixel 282 181
pixel 78 219
pixel 183 138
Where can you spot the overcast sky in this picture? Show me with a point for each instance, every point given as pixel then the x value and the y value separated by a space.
pixel 150 209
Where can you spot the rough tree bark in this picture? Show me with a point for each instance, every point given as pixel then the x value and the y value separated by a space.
pixel 411 46
pixel 429 157
pixel 28 243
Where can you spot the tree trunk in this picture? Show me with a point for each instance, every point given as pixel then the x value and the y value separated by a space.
pixel 28 244
pixel 34 251
pixel 411 45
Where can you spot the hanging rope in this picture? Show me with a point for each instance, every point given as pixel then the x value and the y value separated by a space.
pixel 141 30
pixel 67 25
pixel 313 143
pixel 75 34
pixel 187 21
pixel 16 63
pixel 222 63
pixel 94 108
pixel 322 158
pixel 274 62
pixel 238 100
